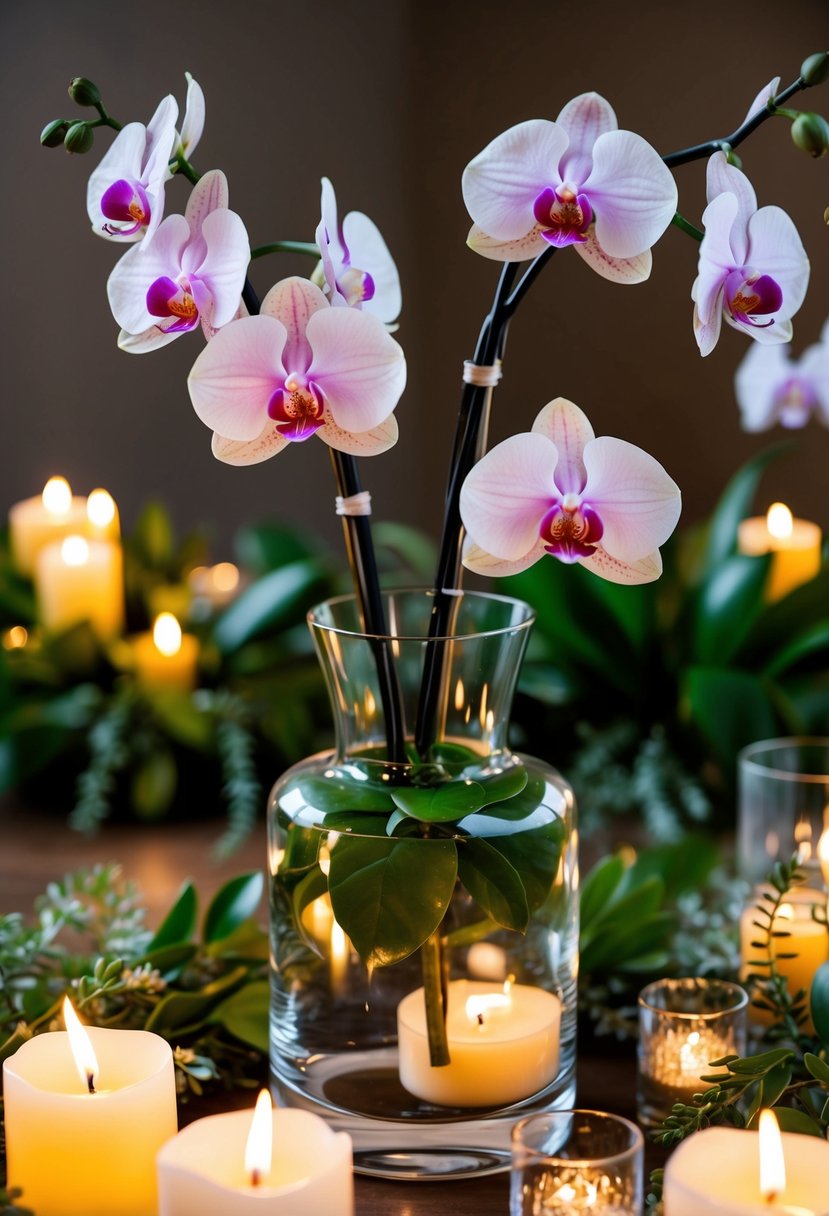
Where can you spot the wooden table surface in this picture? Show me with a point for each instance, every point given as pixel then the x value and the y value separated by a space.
pixel 35 848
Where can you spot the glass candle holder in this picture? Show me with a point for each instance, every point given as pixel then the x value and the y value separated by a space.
pixel 783 807
pixel 576 1161
pixel 684 1024
pixel 804 948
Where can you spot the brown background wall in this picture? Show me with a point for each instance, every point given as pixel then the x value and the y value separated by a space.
pixel 390 98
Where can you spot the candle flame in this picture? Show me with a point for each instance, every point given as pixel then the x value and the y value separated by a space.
pixel 75 551
pixel 167 634
pixel 83 1053
pixel 779 521
pixel 772 1165
pixel 225 576
pixel 785 912
pixel 339 944
pixel 259 1147
pixel 460 695
pixel 57 496
pixel 484 1002
pixel 15 638
pixel 100 508
pixel 823 855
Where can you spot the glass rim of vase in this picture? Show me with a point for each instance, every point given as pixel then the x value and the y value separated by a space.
pixel 314 623
pixel 736 991
pixel 519 1145
pixel 746 760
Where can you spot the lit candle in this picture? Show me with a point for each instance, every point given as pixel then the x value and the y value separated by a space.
pixel 85 1122
pixel 808 939
pixel 726 1172
pixel 81 580
pixel 166 657
pixel 36 522
pixel 103 521
pixel 793 543
pixel 280 1163
pixel 503 1045
pixel 823 856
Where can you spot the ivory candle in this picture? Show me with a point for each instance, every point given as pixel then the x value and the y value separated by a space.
pixel 793 543
pixel 166 657
pixel 81 1153
pixel 36 522
pixel 81 580
pixel 808 940
pixel 212 1168
pixel 102 519
pixel 503 1045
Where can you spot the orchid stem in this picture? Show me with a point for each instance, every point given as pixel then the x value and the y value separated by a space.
pixel 434 996
pixel 305 247
pixel 679 221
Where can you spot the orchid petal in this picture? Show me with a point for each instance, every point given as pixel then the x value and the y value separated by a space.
pixel 293 302
pixel 618 270
pixel 568 427
pixel 775 248
pixel 224 268
pixel 639 504
pixel 722 178
pixel 364 443
pixel 326 235
pixel 139 268
pixel 519 250
pixel 122 160
pixel 707 332
pixel 210 193
pixel 369 252
pixel 645 570
pixel 233 378
pixel 358 366
pixel 502 182
pixel 632 193
pixel 140 344
pixel 814 367
pixel 718 220
pixel 756 382
pixel 194 110
pixel 161 137
pixel 508 492
pixel 479 561
pixel 584 119
pixel 768 335
pixel 763 97
pixel 254 451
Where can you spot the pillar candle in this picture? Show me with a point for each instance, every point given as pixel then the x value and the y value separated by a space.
pixel 808 939
pixel 166 657
pixel 81 580
pixel 39 521
pixel 793 543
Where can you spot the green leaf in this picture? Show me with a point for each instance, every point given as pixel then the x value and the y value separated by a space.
pixel 728 603
pixel 535 855
pixel 817 1067
pixel 245 1015
pixel 28 752
pixel 502 786
pixel 405 546
pixel 797 1121
pixel 179 924
pixel 770 1090
pixel 172 959
pixel 731 709
pixel 440 803
pixel 249 943
pixel 153 535
pixel 341 795
pixel 819 1003
pixel 234 903
pixel 154 783
pixel 176 1010
pixel 813 641
pixel 599 887
pixel 733 506
pixel 276 600
pixel 263 547
pixel 181 718
pixel 494 883
pixel 389 896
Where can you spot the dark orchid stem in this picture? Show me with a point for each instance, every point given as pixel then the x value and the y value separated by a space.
pixel 363 563
pixel 307 248
pixel 698 151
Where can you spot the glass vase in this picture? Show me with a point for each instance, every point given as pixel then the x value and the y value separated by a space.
pixel 424 915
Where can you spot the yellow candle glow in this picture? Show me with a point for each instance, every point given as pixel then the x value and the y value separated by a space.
pixel 823 856
pixel 103 521
pixel 793 543
pixel 216 585
pixel 166 657
pixel 78 1147
pixel 808 940
pixel 81 580
pixel 39 521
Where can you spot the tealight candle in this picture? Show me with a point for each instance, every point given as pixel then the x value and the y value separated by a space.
pixel 81 580
pixel 793 543
pixel 723 1171
pixel 503 1044
pixel 807 939
pixel 278 1164
pixel 83 1131
pixel 166 657
pixel 36 522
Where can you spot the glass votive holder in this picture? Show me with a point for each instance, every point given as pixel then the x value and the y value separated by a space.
pixel 684 1024
pixel 783 807
pixel 576 1161
pixel 805 947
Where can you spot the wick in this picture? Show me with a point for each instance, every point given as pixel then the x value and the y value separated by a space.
pixel 255 1177
pixel 771 1198
pixel 90 1082
pixel 480 1018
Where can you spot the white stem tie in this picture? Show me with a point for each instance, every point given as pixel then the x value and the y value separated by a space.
pixel 480 375
pixel 355 504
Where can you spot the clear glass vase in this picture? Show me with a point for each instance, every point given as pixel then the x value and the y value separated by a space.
pixel 424 915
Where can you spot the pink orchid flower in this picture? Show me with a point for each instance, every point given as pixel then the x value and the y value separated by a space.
pixel 193 270
pixel 357 268
pixel 753 269
pixel 577 181
pixel 559 490
pixel 772 387
pixel 125 195
pixel 300 368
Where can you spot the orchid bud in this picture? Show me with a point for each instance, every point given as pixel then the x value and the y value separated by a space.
pixel 83 92
pixel 78 138
pixel 810 133
pixel 815 69
pixel 52 134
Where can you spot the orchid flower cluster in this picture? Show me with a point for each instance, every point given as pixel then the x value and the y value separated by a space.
pixel 316 356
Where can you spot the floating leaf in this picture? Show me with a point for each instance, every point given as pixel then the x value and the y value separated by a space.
pixel 440 803
pixel 494 883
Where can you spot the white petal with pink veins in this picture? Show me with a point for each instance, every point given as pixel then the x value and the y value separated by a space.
pixel 254 451
pixel 617 270
pixel 140 344
pixel 161 138
pixel 133 275
pixel 632 193
pixel 224 268
pixel 479 561
pixel 503 181
pixel 507 494
pixel 363 443
pixel 569 429
pixel 369 252
pixel 359 367
pixel 122 160
pixel 636 500
pixel 210 193
pixel 646 570
pixel 234 377
pixel 584 119
pixel 294 301
pixel 519 250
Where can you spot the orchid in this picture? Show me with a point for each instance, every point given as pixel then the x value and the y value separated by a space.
pixel 300 368
pixel 125 194
pixel 559 490
pixel 753 269
pixel 772 387
pixel 357 268
pixel 193 125
pixel 577 181
pixel 193 270
pixel 763 98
